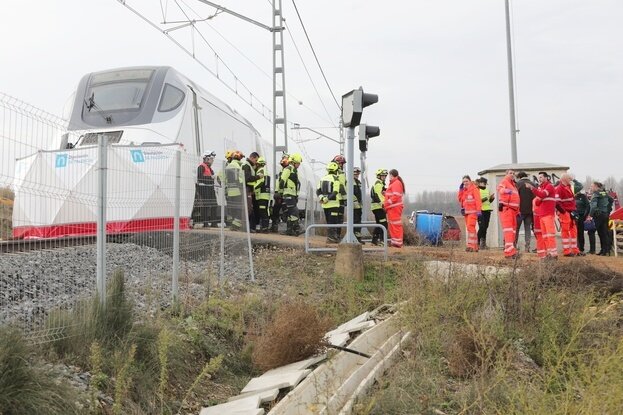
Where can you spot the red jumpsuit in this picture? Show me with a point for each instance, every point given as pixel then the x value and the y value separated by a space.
pixel 568 230
pixel 540 243
pixel 393 207
pixel 469 198
pixel 508 197
pixel 546 211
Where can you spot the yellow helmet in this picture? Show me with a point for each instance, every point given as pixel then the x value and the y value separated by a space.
pixel 296 158
pixel 381 172
pixel 261 161
pixel 228 154
pixel 332 167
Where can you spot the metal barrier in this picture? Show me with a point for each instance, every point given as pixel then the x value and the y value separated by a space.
pixel 617 237
pixel 309 249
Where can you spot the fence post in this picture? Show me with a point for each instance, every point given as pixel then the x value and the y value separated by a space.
pixel 102 162
pixel 176 226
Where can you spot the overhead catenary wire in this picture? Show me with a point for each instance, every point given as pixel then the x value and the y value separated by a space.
pixel 258 67
pixel 315 55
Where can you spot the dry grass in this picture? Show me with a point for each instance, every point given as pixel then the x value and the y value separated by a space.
pixel 6 212
pixel 295 333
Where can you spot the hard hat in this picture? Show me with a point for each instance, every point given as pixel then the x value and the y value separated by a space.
pixel 209 154
pixel 339 159
pixel 332 167
pixel 381 172
pixel 229 153
pixel 261 161
pixel 296 158
pixel 356 170
pixel 237 155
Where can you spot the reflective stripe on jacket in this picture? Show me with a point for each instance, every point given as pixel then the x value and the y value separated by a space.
pixel 328 191
pixel 508 196
pixel 484 199
pixel 377 195
pixel 289 182
pixel 469 198
pixel 566 198
pixel 547 194
pixel 234 178
pixel 393 194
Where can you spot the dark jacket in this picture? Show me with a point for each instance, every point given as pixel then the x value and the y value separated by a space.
pixel 582 206
pixel 525 196
pixel 600 203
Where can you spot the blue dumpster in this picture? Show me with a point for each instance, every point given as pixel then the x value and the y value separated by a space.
pixel 429 226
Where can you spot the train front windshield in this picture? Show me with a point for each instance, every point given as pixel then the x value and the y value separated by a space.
pixel 115 94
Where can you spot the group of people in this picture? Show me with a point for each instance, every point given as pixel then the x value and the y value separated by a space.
pixel 386 202
pixel 536 205
pixel 249 177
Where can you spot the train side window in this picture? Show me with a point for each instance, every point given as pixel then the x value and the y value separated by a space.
pixel 172 98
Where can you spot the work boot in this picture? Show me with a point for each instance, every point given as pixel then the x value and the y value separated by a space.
pixel 527 248
pixel 288 230
pixel 482 244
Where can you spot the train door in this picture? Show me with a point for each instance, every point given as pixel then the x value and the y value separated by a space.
pixel 196 122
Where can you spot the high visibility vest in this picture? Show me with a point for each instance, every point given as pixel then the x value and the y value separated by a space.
pixel 342 179
pixel 328 191
pixel 262 186
pixel 234 178
pixel 377 195
pixel 289 181
pixel 484 198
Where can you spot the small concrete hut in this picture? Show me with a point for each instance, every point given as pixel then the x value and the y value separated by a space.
pixel 494 176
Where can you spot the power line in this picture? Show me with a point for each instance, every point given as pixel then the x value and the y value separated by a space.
pixel 308 74
pixel 315 56
pixel 257 66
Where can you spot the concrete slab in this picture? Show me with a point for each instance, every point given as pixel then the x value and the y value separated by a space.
pixel 302 365
pixel 276 381
pixel 267 395
pixel 338 339
pixel 246 406
pixel 350 328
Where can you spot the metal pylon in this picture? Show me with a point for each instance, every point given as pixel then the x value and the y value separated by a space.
pixel 279 92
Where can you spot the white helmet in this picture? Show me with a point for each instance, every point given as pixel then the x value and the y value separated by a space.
pixel 209 154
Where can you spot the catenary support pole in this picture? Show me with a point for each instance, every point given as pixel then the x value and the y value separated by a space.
pixel 102 182
pixel 350 157
pixel 511 85
pixel 176 227
pixel 365 203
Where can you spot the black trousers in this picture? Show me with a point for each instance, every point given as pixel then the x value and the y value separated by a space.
pixel 357 213
pixel 527 228
pixel 291 203
pixel 276 213
pixel 331 216
pixel 591 240
pixel 483 225
pixel 381 218
pixel 235 207
pixel 580 226
pixel 601 223
pixel 262 213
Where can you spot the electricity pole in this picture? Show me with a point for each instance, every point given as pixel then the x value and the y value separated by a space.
pixel 511 85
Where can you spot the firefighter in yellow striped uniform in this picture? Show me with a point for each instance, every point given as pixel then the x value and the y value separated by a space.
pixel 262 194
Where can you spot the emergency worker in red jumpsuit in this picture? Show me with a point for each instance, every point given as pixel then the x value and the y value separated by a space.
pixel 393 206
pixel 471 208
pixel 567 215
pixel 546 211
pixel 508 207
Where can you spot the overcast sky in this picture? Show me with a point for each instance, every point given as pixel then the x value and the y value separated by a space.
pixel 438 66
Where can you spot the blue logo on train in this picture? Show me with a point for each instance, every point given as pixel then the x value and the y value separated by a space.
pixel 137 156
pixel 61 160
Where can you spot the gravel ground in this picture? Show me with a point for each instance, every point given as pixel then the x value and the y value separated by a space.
pixel 34 283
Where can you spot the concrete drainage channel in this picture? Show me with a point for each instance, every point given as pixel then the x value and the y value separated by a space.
pixel 325 384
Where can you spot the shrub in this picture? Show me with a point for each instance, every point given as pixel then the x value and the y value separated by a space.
pixel 296 332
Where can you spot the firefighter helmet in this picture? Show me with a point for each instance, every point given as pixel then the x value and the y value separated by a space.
pixel 210 154
pixel 356 170
pixel 261 161
pixel 228 154
pixel 381 172
pixel 296 158
pixel 332 167
pixel 339 159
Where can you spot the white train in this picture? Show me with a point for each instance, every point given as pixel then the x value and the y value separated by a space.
pixel 135 107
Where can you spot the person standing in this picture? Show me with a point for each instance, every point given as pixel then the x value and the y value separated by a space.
pixel 275 215
pixel 393 207
pixel 508 207
pixel 582 208
pixel 262 194
pixel 599 211
pixel 206 196
pixel 234 184
pixel 377 197
pixel 328 191
pixel 546 211
pixel 340 160
pixel 566 215
pixel 526 213
pixel 251 178
pixel 471 207
pixel 357 203
pixel 290 185
pixel 483 220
